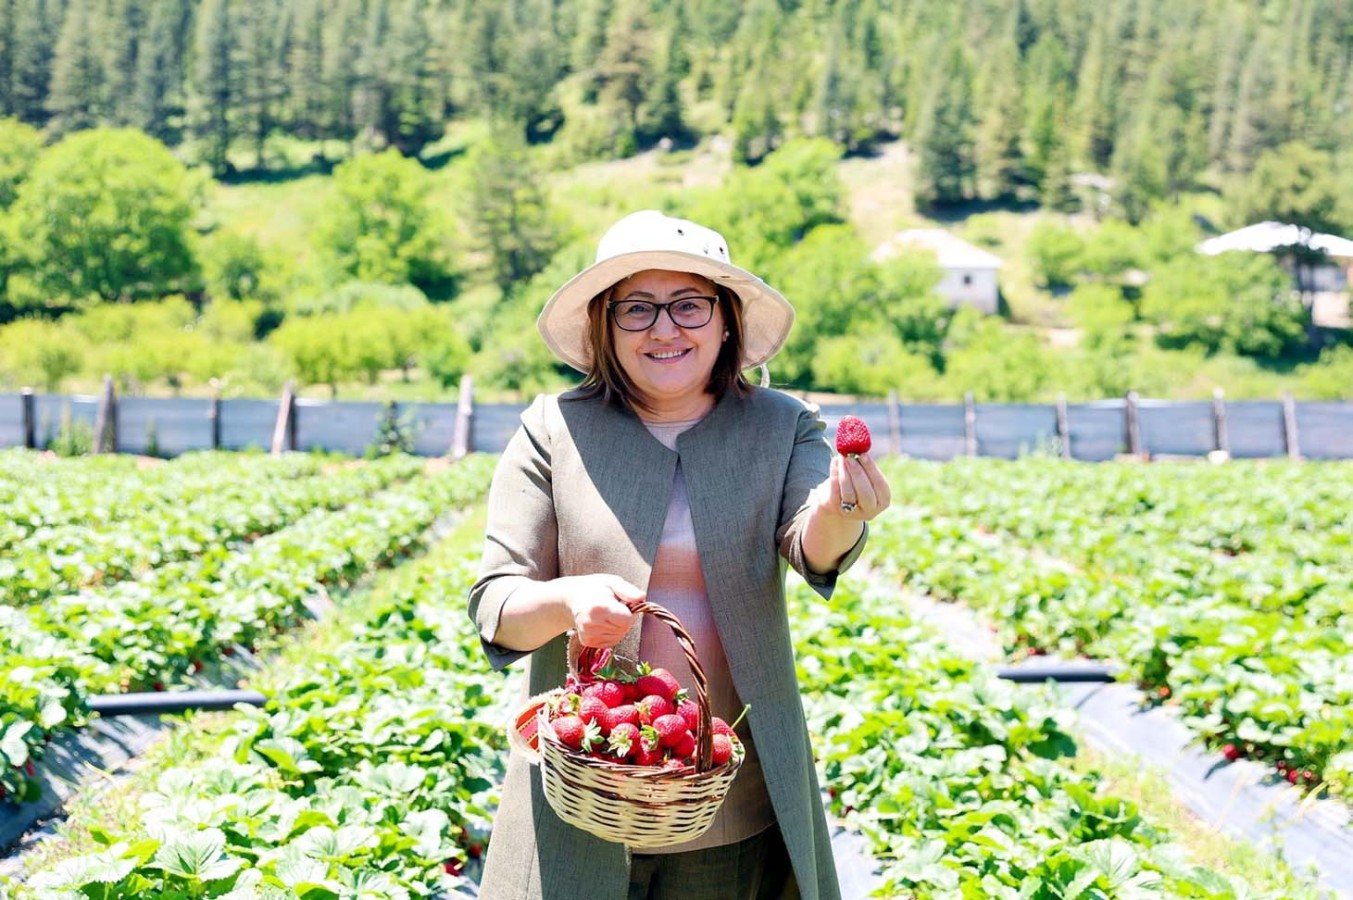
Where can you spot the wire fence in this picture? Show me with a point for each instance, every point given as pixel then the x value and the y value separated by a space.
pixel 1098 431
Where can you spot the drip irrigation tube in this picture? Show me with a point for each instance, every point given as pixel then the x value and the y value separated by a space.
pixel 168 702
pixel 163 702
pixel 1062 673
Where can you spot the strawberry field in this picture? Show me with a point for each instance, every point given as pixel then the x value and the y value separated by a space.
pixel 1226 591
pixel 372 770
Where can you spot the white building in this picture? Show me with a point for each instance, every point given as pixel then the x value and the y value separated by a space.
pixel 1322 277
pixel 969 272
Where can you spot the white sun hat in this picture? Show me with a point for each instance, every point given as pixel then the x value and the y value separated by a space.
pixel 650 240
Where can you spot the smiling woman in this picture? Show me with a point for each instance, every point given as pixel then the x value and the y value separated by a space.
pixel 667 477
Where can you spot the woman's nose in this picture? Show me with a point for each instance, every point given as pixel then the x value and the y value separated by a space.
pixel 664 326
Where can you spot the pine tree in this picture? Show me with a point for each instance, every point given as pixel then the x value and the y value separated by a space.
pixel 944 137
pixel 37 24
pixel 215 89
pixel 76 101
pixel 121 31
pixel 6 56
pixel 343 28
pixel 261 42
pixel 998 157
pixel 156 97
pixel 305 70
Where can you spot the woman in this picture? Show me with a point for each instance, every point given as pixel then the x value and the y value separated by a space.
pixel 667 476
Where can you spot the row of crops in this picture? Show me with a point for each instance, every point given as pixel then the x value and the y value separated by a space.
pixel 1226 590
pixel 170 622
pixel 370 773
pixel 373 769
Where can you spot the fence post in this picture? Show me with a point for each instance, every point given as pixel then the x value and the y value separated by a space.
pixel 1131 425
pixel 462 438
pixel 969 425
pixel 105 419
pixel 894 424
pixel 284 432
pixel 30 419
pixel 1291 437
pixel 1222 436
pixel 1063 427
pixel 214 414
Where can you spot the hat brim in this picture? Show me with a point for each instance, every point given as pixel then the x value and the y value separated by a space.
pixel 766 315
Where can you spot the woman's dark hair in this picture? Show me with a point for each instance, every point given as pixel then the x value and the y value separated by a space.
pixel 606 380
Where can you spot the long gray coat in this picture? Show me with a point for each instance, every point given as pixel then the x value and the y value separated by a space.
pixel 583 488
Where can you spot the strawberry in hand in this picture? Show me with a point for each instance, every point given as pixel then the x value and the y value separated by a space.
pixel 852 436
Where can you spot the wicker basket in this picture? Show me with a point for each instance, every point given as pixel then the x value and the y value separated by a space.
pixel 641 807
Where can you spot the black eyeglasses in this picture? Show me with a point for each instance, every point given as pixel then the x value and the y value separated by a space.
pixel 641 315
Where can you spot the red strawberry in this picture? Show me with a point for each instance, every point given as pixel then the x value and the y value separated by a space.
pixel 624 740
pixel 670 729
pixel 661 682
pixel 625 712
pixel 592 708
pixel 1231 752
pixel 690 711
pixel 609 692
pixel 647 756
pixel 685 748
pixel 654 707
pixel 574 732
pixel 721 727
pixel 723 749
pixel 852 436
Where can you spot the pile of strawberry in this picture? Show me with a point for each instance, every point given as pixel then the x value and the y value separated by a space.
pixel 639 720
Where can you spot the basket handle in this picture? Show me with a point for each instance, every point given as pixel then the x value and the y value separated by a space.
pixel 590 659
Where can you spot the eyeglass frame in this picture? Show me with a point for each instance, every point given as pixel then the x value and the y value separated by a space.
pixel 659 308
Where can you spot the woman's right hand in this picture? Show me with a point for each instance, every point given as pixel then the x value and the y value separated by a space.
pixel 597 604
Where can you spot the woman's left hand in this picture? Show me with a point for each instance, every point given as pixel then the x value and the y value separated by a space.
pixel 855 488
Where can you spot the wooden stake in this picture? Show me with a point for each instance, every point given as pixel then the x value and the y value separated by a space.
pixel 1063 427
pixel 284 432
pixel 30 423
pixel 463 436
pixel 894 424
pixel 1291 436
pixel 969 424
pixel 105 419
pixel 1131 425
pixel 1221 434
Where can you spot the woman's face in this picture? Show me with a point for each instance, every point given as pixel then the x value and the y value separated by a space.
pixel 668 364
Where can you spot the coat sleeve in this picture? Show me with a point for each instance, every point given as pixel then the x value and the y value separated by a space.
pixel 521 537
pixel 809 465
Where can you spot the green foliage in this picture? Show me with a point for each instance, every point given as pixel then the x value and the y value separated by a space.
pixel 395 433
pixel 1101 312
pixel 1055 253
pixel 1295 184
pixel 36 352
pixel 107 213
pixel 944 138
pixel 380 226
pixel 1330 377
pixel 445 354
pixel 235 267
pixel 1235 302
pixel 997 366
pixel 872 363
pixel 508 209
pixel 765 210
pixel 20 146
pixel 317 348
pixel 74 437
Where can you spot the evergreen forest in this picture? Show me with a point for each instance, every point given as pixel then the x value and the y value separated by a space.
pixel 377 195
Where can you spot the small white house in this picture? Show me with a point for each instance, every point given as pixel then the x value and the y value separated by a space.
pixel 969 272
pixel 1322 278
